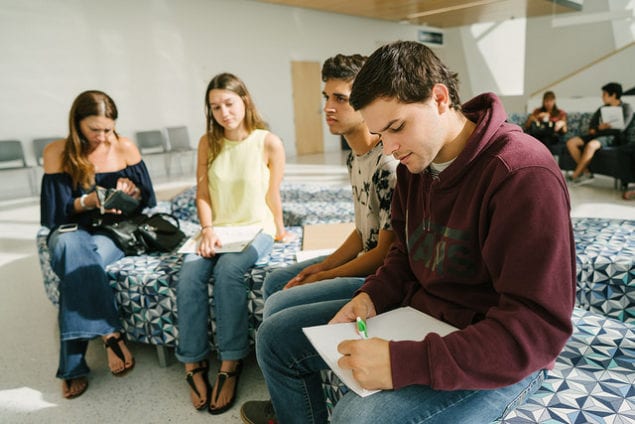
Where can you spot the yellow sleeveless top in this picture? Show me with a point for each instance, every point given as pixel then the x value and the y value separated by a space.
pixel 238 181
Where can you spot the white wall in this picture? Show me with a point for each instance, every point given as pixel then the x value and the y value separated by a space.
pixel 155 57
pixel 497 54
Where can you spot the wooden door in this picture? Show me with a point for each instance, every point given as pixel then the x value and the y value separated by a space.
pixel 307 107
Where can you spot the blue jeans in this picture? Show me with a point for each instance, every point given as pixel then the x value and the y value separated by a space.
pixel 229 302
pixel 291 368
pixel 277 299
pixel 87 307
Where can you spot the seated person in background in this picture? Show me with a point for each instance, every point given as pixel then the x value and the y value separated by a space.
pixel 92 154
pixel 465 182
pixel 600 133
pixel 547 123
pixel 240 165
pixel 372 175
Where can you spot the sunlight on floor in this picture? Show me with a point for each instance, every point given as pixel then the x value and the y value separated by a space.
pixel 23 399
pixel 604 210
pixel 7 258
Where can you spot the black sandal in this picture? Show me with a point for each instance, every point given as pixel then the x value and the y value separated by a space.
pixel 112 342
pixel 221 377
pixel 189 377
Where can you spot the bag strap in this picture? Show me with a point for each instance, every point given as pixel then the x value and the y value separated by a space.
pixel 168 215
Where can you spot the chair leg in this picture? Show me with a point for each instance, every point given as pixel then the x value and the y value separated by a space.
pixel 166 161
pixel 33 182
pixel 163 354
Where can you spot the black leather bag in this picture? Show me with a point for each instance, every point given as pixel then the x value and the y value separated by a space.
pixel 161 232
pixel 125 235
pixel 141 234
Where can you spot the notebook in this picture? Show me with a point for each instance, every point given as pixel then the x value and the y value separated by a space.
pixel 404 323
pixel 234 239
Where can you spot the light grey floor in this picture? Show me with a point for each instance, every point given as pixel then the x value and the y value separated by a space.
pixel 29 391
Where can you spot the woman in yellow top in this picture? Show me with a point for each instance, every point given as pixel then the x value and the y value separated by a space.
pixel 239 170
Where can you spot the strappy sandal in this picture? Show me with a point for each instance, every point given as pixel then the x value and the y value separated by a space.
pixel 112 342
pixel 68 383
pixel 221 378
pixel 189 377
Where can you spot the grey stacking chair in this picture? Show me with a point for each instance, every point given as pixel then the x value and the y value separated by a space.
pixel 38 148
pixel 12 159
pixel 179 142
pixel 152 142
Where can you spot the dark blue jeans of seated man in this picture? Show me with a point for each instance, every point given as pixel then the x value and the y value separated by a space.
pixel 291 368
pixel 87 307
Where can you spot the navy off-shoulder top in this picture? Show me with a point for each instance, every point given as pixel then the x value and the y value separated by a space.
pixel 57 196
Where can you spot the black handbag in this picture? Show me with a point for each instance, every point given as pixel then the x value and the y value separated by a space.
pixel 141 234
pixel 161 232
pixel 125 235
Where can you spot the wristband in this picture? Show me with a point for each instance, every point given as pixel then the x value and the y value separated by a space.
pixel 205 226
pixel 82 202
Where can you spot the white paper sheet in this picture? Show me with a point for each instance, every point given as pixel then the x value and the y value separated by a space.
pixel 234 239
pixel 399 324
pixel 614 116
pixel 303 255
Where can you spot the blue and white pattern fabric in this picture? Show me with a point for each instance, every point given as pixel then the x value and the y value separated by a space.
pixel 605 256
pixel 592 381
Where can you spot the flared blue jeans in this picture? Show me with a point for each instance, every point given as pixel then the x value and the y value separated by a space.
pixel 87 307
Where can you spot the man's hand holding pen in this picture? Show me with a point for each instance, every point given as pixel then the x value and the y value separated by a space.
pixel 368 359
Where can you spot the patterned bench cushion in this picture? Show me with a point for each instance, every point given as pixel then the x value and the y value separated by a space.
pixel 145 288
pixel 605 256
pixel 592 381
pixel 302 204
pixel 577 122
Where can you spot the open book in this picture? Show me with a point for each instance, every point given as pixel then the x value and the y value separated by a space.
pixel 399 324
pixel 234 239
pixel 613 115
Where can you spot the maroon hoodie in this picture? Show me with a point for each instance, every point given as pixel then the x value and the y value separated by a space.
pixel 487 246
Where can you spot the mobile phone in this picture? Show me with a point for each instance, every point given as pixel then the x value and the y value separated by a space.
pixel 67 228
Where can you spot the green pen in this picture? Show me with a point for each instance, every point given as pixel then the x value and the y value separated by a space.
pixel 361 328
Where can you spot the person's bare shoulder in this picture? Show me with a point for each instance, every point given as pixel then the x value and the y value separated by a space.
pixel 128 150
pixel 273 142
pixel 52 156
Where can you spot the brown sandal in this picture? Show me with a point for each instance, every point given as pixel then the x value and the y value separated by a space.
pixel 69 383
pixel 189 377
pixel 112 342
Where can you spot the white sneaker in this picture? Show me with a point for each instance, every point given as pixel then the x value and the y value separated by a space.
pixel 582 179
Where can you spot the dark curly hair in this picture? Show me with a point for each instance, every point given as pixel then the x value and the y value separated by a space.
pixel 342 67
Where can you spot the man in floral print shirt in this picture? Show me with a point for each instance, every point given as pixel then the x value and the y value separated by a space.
pixel 336 277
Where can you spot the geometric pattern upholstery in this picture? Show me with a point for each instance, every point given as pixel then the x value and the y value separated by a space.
pixel 303 204
pixel 145 288
pixel 605 261
pixel 592 381
pixel 577 122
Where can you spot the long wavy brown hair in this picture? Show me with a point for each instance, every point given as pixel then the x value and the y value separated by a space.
pixel 215 131
pixel 76 149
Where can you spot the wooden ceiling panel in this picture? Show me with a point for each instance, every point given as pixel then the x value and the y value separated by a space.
pixel 437 13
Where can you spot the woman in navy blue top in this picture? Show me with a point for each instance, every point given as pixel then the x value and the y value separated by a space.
pixel 92 155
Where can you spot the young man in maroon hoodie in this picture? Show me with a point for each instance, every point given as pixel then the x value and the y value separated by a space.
pixel 483 242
